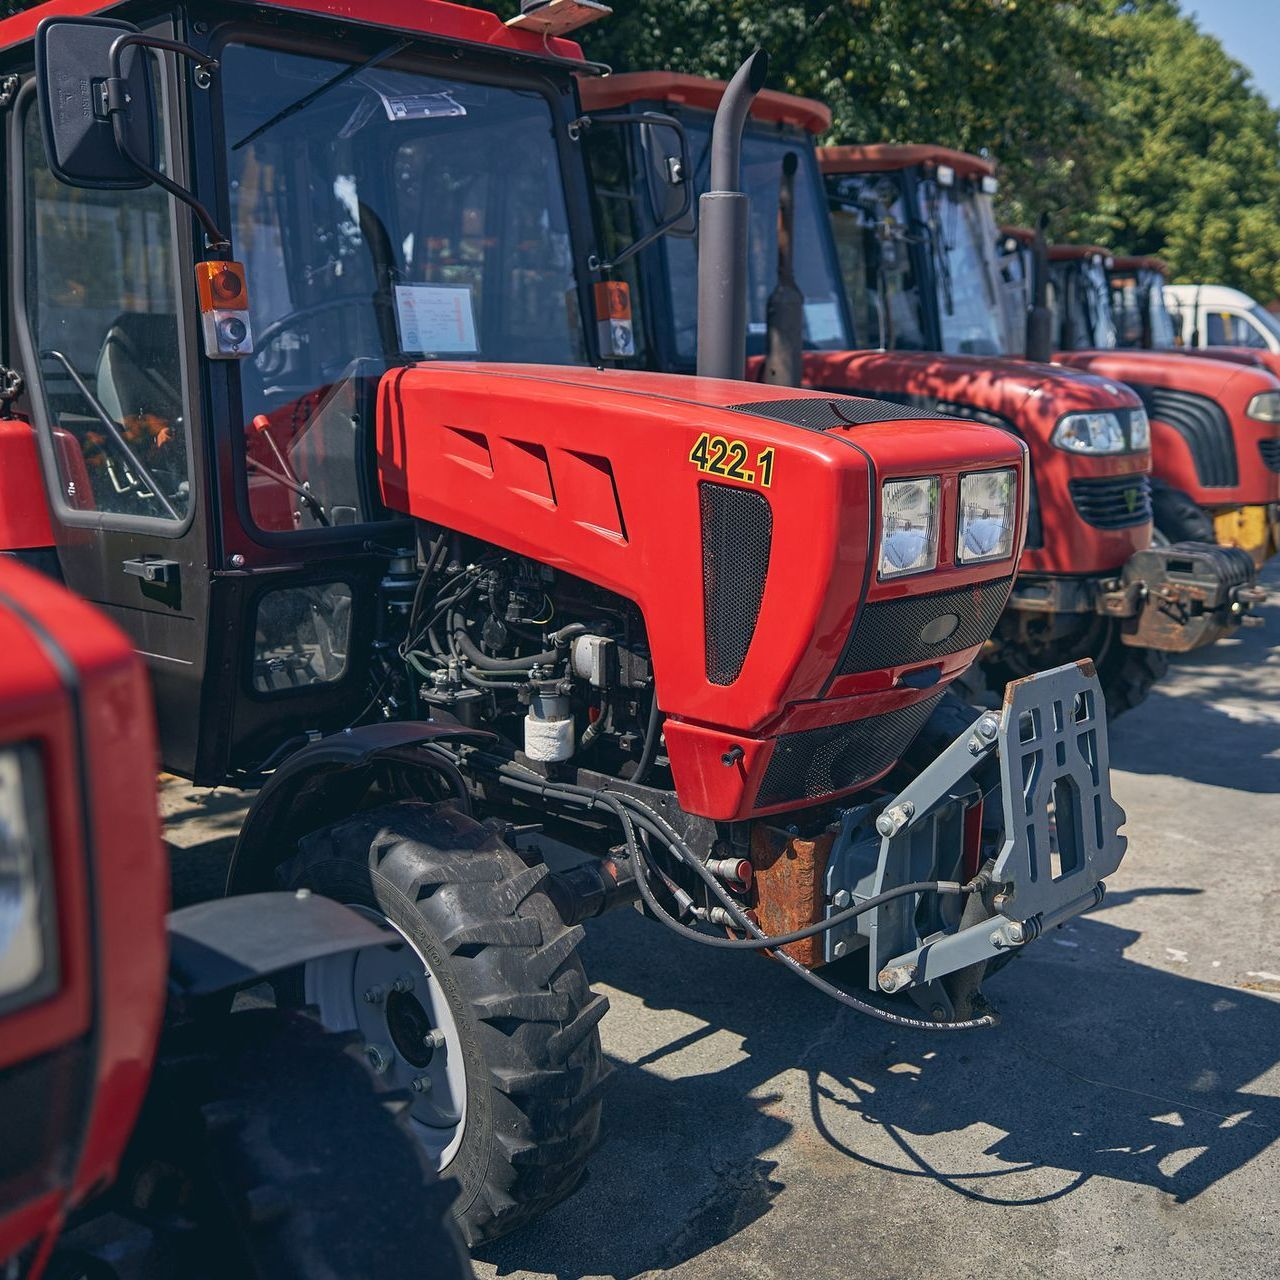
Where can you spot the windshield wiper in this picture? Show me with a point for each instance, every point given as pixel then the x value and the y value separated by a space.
pixel 307 99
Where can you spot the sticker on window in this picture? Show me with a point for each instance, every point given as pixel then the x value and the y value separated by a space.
pixel 436 319
pixel 420 106
pixel 822 322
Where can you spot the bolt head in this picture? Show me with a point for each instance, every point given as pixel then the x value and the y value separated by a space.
pixel 374 995
pixel 421 1084
pixel 1015 932
pixel 237 561
pixel 403 983
pixel 842 899
pixel 839 949
pixel 988 727
pixel 434 1039
pixel 379 1056
pixel 884 825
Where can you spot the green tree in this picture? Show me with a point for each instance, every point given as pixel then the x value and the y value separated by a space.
pixel 1195 176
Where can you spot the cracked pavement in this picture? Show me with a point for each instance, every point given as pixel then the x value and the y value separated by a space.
pixel 1121 1121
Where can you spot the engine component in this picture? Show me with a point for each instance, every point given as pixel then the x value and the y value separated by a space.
pixel 548 727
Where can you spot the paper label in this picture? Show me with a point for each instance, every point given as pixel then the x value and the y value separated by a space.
pixel 822 321
pixel 435 319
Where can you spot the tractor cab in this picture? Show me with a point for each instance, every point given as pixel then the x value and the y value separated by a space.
pixel 1143 319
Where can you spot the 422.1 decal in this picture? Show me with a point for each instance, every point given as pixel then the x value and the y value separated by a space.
pixel 720 457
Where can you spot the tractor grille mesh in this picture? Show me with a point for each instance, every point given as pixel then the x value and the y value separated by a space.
pixel 888 633
pixel 1270 453
pixel 821 762
pixel 737 534
pixel 817 413
pixel 1204 425
pixel 1113 502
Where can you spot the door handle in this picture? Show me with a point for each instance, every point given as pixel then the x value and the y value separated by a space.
pixel 153 569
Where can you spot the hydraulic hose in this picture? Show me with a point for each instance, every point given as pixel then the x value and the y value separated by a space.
pixel 632 812
pixel 650 750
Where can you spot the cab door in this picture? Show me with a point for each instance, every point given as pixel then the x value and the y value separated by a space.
pixel 100 327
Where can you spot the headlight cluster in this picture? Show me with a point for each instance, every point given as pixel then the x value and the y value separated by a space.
pixel 1265 406
pixel 1102 432
pixel 910 521
pixel 28 955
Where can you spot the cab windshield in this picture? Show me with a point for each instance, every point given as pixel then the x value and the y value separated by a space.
pixel 1137 306
pixel 1080 299
pixel 763 152
pixel 961 244
pixel 873 246
pixel 385 215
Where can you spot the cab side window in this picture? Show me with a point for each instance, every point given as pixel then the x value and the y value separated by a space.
pixel 102 311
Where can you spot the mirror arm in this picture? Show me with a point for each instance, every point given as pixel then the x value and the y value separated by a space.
pixel 117 104
pixel 634 120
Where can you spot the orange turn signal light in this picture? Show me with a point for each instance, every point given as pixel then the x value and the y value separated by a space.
pixel 221 286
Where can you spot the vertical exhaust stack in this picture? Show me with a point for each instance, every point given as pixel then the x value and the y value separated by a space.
pixel 723 213
pixel 1039 321
pixel 784 346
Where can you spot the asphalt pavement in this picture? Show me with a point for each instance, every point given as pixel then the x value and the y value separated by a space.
pixel 1121 1121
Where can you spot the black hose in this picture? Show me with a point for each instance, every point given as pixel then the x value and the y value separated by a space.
pixel 651 735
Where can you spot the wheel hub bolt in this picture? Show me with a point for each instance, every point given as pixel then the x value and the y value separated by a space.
pixel 375 995
pixel 434 1039
pixel 380 1057
pixel 403 983
pixel 421 1084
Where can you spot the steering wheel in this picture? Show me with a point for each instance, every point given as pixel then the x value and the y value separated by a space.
pixel 264 338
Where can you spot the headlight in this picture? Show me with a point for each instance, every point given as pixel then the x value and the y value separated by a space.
pixel 28 956
pixel 908 526
pixel 1265 406
pixel 1089 433
pixel 988 516
pixel 1139 429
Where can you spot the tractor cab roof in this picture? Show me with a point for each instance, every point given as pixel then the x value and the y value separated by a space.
pixel 434 18
pixel 1078 252
pixel 1023 235
pixel 769 105
pixel 888 157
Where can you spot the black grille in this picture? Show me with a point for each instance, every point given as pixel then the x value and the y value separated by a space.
pixel 737 533
pixel 821 762
pixel 1270 453
pixel 891 633
pixel 1112 502
pixel 818 413
pixel 1204 425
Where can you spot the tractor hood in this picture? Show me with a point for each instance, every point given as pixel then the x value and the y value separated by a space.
pixel 734 516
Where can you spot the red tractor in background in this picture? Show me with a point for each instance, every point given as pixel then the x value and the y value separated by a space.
pixel 894 276
pixel 1215 425
pixel 144 1123
pixel 403 558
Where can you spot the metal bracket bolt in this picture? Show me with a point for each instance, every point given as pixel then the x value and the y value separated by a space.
pixel 895 979
pixel 1014 934
pixel 892 820
pixel 985 733
pixel 842 899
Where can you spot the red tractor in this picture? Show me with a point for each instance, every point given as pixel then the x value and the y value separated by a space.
pixel 1215 425
pixel 143 1121
pixel 432 589
pixel 897 275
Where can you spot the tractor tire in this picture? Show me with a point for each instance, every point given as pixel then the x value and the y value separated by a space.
pixel 1177 518
pixel 508 1101
pixel 276 1157
pixel 1125 673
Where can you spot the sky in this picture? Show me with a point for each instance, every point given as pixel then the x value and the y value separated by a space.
pixel 1250 33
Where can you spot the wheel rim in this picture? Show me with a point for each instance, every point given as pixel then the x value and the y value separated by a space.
pixel 389 996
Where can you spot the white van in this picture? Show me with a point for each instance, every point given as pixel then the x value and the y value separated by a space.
pixel 1211 315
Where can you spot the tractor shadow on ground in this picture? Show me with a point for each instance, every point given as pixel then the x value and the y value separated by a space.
pixel 1215 718
pixel 1102 1068
pixel 200 828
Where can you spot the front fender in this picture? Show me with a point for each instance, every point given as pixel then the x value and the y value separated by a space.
pixel 321 784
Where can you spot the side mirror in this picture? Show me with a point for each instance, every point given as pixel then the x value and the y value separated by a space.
pixel 673 178
pixel 97 107
pixel 73 68
pixel 665 152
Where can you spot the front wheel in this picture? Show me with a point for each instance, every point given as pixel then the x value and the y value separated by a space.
pixel 478 1005
pixel 1126 674
pixel 1177 518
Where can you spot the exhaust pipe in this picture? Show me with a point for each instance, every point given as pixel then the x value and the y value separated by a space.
pixel 722 232
pixel 1039 321
pixel 784 315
